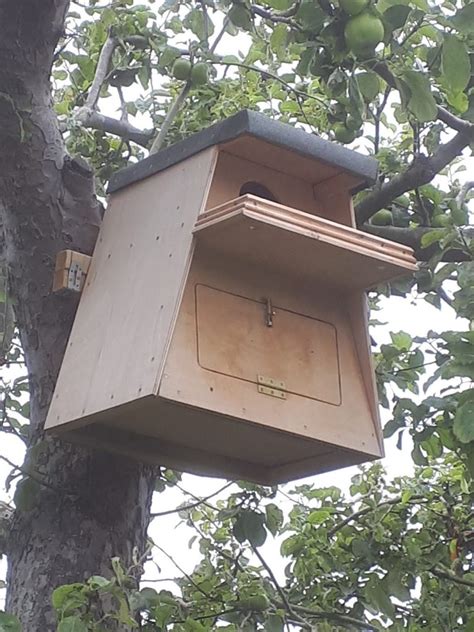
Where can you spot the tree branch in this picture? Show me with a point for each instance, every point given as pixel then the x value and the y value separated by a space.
pixel 170 116
pixel 90 117
pixel 422 170
pixel 284 17
pixel 124 129
pixel 101 72
pixel 331 616
pixel 412 237
pixel 451 577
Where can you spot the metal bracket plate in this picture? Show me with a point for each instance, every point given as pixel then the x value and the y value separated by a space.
pixel 76 277
pixel 268 386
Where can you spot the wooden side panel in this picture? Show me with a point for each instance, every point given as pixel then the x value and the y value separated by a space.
pixel 232 172
pixel 334 198
pixel 122 328
pixel 357 310
pixel 348 425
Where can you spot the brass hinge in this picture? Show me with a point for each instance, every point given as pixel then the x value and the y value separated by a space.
pixel 268 386
pixel 70 271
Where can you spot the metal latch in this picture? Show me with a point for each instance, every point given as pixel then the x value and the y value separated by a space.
pixel 269 312
pixel 268 386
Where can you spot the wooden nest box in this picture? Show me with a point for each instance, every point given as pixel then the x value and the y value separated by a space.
pixel 222 329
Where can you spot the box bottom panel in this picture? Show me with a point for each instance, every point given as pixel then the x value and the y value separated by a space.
pixel 196 441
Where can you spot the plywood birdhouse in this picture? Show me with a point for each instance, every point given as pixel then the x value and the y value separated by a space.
pixel 222 328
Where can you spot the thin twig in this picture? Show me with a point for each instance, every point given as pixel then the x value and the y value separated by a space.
pixel 279 589
pixel 378 113
pixel 461 197
pixel 123 105
pixel 199 501
pixel 412 31
pixel 169 118
pixel 332 616
pixel 266 73
pixel 29 474
pixel 451 577
pixel 220 35
pixel 362 512
pixel 181 570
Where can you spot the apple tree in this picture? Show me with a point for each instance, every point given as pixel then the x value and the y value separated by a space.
pixel 87 87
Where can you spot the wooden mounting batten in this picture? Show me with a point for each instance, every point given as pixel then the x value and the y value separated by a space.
pixel 70 271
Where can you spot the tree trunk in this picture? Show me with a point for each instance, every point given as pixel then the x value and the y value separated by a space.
pixel 93 506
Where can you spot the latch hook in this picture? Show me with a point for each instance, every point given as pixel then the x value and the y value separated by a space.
pixel 269 313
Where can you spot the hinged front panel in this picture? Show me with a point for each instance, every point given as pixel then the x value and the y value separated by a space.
pixel 238 337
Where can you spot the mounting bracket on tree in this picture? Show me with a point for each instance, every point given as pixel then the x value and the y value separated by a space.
pixel 224 327
pixel 70 271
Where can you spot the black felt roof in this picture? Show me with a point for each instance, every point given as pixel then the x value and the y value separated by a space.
pixel 260 126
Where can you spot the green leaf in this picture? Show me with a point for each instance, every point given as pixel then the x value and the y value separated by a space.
pixel 401 340
pixel 470 625
pixel 72 624
pixel 459 101
pixel 190 625
pixel 455 63
pixel 392 426
pixel 311 16
pixel 463 20
pixel 369 84
pixel 97 581
pixel 432 237
pixel 463 425
pixel 199 23
pixel 397 15
pixel 9 623
pixel 360 548
pixel 274 623
pixel 250 526
pixel 278 38
pixel 274 517
pixel 68 596
pixel 377 596
pixel 355 95
pixel 421 102
pixel 319 516
pixel 418 456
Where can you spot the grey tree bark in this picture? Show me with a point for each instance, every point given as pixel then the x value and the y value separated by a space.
pixel 94 506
